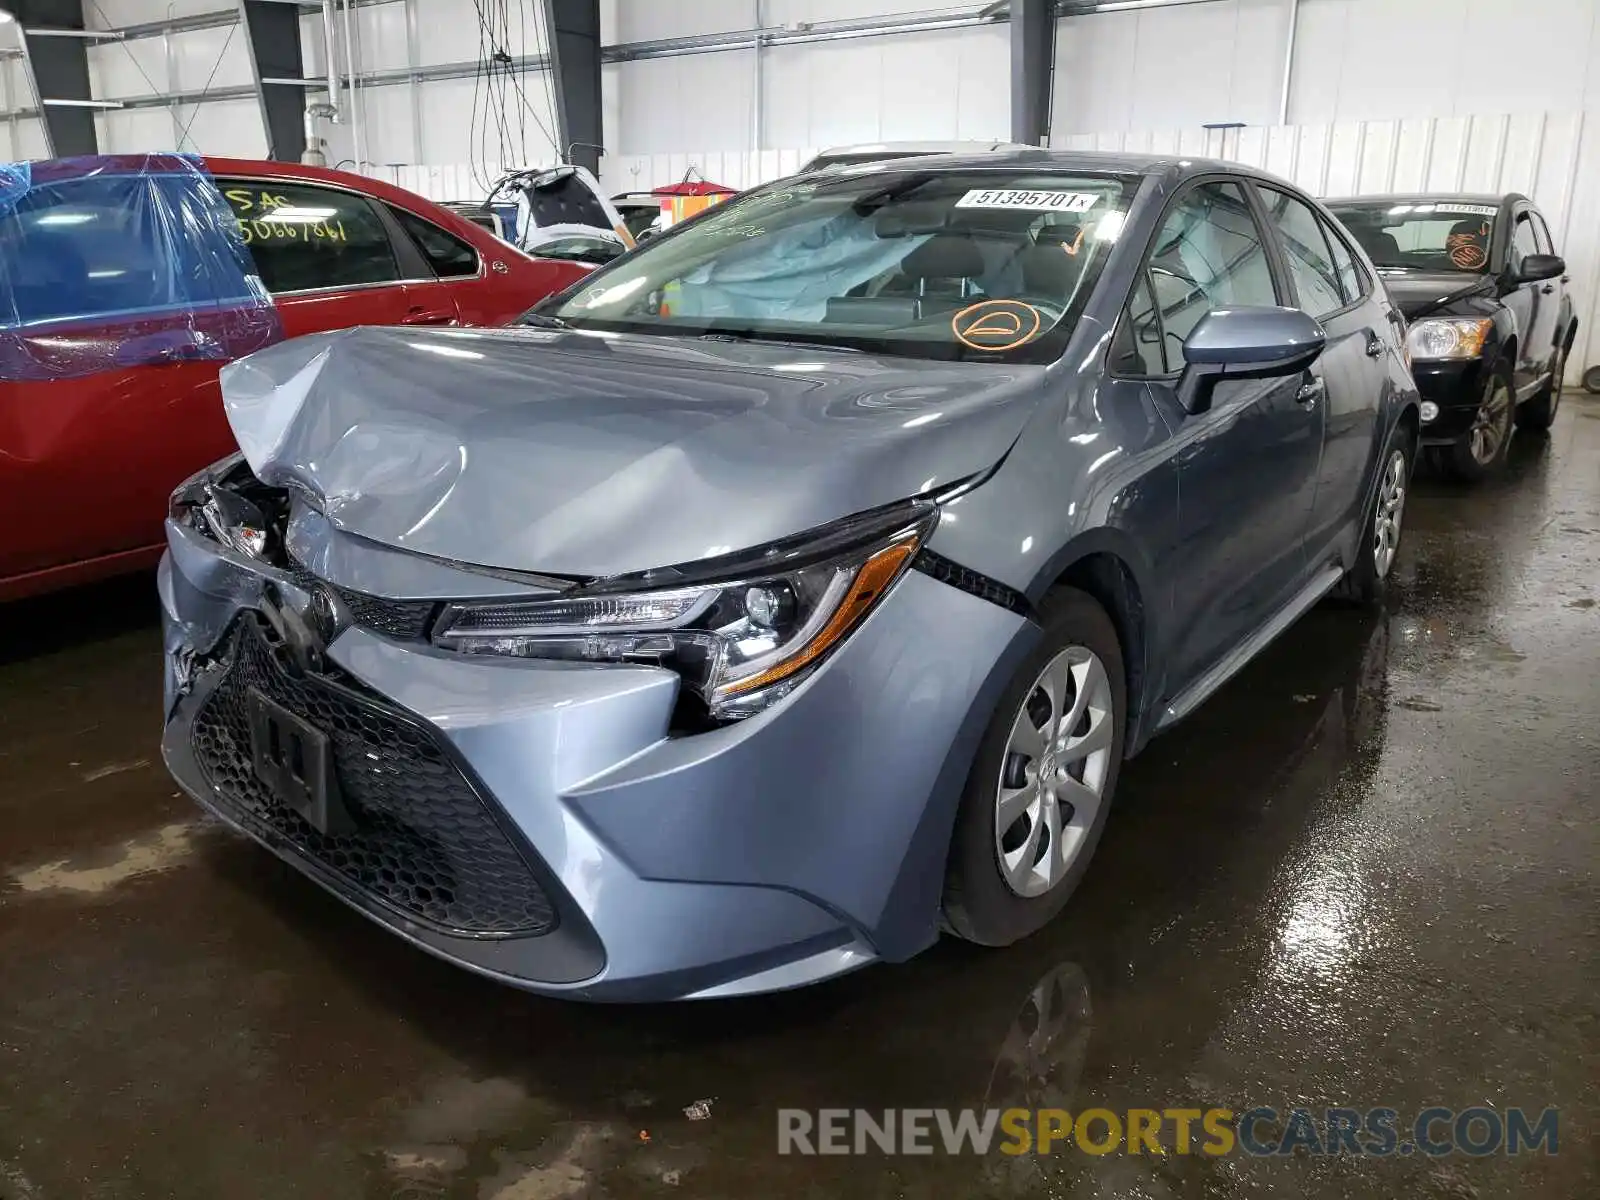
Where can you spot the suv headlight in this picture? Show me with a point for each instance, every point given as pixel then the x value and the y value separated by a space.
pixel 1438 338
pixel 742 631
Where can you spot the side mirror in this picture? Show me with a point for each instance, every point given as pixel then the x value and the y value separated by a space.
pixel 1246 343
pixel 1541 266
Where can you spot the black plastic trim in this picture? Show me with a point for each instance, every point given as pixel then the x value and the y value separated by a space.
pixel 968 580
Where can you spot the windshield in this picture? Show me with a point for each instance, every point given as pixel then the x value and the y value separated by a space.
pixel 1435 235
pixel 934 264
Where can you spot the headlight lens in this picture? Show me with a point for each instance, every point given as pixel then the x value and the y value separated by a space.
pixel 740 643
pixel 1448 337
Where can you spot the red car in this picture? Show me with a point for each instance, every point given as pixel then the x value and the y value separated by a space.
pixel 89 455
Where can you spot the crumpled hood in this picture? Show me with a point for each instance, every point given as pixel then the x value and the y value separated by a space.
pixel 595 455
pixel 1422 293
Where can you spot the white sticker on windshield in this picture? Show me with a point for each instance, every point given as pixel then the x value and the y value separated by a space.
pixel 1468 210
pixel 1071 202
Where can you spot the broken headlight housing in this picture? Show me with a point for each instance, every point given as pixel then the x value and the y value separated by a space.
pixel 742 631
pixel 228 504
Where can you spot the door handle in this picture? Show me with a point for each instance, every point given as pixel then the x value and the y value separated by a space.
pixel 1311 392
pixel 1374 344
pixel 425 316
pixel 1548 288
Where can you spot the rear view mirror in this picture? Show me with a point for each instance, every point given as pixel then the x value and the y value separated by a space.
pixel 1246 343
pixel 1541 266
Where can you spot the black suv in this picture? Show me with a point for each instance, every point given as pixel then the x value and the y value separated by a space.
pixel 1491 318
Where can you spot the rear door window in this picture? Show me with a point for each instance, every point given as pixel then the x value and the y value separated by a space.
pixel 306 237
pixel 449 256
pixel 1353 281
pixel 1305 247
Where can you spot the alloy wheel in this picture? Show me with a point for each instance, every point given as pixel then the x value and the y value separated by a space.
pixel 1391 508
pixel 1492 424
pixel 1053 774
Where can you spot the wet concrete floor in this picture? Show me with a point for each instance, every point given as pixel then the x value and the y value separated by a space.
pixel 1363 875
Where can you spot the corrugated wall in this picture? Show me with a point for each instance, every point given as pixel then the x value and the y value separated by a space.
pixel 1553 157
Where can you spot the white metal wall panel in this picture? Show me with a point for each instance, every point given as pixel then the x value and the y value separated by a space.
pixel 647 20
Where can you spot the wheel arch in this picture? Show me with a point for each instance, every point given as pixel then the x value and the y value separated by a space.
pixel 1104 565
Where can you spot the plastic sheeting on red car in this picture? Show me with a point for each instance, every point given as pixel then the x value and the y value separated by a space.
pixel 113 262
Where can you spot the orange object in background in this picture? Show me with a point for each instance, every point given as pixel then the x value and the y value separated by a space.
pixel 680 201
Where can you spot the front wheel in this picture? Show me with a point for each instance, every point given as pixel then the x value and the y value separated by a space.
pixel 1481 451
pixel 1040 790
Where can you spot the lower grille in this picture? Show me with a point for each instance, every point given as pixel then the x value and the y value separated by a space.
pixel 423 842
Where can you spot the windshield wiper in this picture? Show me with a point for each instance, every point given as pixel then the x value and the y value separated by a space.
pixel 542 320
pixel 750 335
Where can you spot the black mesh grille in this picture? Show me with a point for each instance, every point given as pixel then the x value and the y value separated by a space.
pixel 423 843
pixel 402 620
pixel 399 620
pixel 968 580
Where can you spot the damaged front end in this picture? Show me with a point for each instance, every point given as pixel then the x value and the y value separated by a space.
pixel 628 788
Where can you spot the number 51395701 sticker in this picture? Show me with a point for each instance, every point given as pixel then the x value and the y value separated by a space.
pixel 1033 201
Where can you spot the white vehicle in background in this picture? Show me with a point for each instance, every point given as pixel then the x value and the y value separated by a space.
pixel 537 207
pixel 849 156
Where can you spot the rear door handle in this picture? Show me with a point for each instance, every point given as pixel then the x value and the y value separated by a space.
pixel 427 316
pixel 1310 393
pixel 1548 288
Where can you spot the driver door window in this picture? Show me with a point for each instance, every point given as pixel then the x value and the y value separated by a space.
pixel 1523 242
pixel 1209 254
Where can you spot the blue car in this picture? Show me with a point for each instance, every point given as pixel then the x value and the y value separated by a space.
pixel 793 588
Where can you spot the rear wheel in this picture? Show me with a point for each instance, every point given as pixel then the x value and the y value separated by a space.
pixel 1040 790
pixel 1366 582
pixel 1481 451
pixel 1539 413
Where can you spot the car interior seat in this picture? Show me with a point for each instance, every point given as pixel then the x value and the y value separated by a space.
pixel 1052 266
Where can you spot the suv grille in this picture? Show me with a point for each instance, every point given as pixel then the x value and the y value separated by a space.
pixel 423 843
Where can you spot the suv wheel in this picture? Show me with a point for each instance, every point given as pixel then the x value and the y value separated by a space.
pixel 1481 451
pixel 1539 413
pixel 1041 785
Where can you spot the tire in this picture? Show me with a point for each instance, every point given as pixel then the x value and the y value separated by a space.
pixel 1470 459
pixel 1539 413
pixel 1367 581
pixel 1591 381
pixel 983 902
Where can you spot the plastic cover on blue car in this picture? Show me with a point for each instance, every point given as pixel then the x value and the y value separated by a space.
pixel 112 262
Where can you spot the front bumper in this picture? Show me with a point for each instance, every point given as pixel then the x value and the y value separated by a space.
pixel 1456 386
pixel 536 822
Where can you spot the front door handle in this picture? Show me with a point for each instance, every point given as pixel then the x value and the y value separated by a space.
pixel 1374 344
pixel 1311 392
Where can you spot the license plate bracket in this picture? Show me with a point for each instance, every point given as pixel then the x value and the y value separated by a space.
pixel 294 761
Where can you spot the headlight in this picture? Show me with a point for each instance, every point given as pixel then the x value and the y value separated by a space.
pixel 741 639
pixel 1448 337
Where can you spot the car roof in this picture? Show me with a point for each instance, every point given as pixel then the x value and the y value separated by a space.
pixel 1496 199
pixel 951 147
pixel 1039 158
